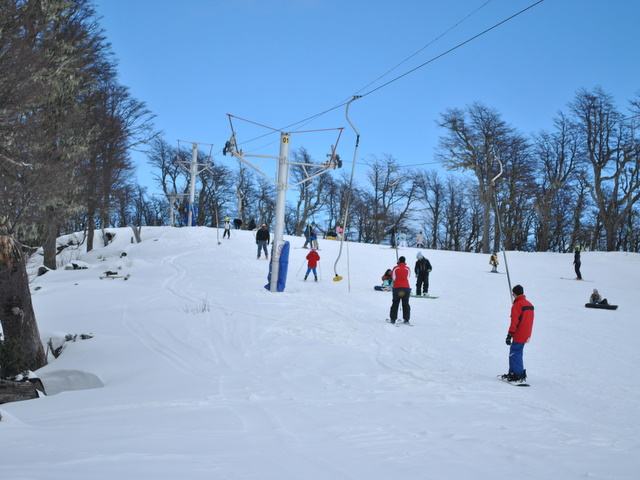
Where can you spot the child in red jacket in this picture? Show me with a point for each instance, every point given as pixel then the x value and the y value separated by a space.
pixel 312 259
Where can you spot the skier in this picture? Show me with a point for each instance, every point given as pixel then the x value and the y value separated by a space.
pixel 392 236
pixel 403 239
pixel 401 291
pixel 314 237
pixel 577 263
pixel 519 333
pixel 307 234
pixel 493 261
pixel 422 269
pixel 227 228
pixel 262 240
pixel 312 263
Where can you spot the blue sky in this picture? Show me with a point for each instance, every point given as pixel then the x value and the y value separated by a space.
pixel 277 62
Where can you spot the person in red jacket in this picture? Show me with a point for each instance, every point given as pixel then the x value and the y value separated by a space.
pixel 519 333
pixel 401 291
pixel 312 259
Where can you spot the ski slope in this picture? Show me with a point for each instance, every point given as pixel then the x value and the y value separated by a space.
pixel 196 371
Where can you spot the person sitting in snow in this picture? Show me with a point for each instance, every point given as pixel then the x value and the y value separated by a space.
pixel 387 281
pixel 312 259
pixel 597 298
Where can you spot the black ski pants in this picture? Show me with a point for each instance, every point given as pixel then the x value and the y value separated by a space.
pixel 400 295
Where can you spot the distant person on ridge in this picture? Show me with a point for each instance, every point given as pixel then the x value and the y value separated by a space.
pixel 262 240
pixel 312 262
pixel 401 291
pixel 420 241
pixel 519 334
pixel 227 228
pixel 493 261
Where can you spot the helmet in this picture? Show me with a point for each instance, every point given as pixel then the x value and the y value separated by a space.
pixel 226 218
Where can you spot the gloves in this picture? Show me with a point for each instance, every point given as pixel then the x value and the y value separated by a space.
pixel 508 339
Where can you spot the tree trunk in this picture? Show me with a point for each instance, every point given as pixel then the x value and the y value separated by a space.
pixel 16 310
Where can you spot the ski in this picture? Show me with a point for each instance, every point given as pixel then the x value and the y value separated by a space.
pixel 397 323
pixel 423 296
pixel 512 383
pixel 576 279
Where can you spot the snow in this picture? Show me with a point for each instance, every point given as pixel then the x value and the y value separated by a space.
pixel 196 371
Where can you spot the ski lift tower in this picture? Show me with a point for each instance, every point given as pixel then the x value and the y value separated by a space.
pixel 282 184
pixel 194 171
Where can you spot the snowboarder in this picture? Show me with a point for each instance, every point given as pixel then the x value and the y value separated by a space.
pixel 401 291
pixel 597 298
pixel 422 269
pixel 312 262
pixel 519 333
pixel 387 281
pixel 262 240
pixel 227 228
pixel 577 263
pixel 493 261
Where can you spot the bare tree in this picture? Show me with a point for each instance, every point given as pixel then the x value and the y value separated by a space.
pixel 609 145
pixel 475 137
pixel 556 157
pixel 432 192
pixel 394 193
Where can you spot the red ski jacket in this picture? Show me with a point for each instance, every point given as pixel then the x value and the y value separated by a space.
pixel 400 275
pixel 521 319
pixel 313 258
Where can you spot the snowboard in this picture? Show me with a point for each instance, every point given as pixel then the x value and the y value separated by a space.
pixel 512 383
pixel 125 277
pixel 602 306
pixel 583 280
pixel 380 288
pixel 422 296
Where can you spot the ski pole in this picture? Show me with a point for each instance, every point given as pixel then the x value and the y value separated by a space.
pixel 301 267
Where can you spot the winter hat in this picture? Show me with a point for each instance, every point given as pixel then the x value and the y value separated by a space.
pixel 518 290
pixel 401 260
pixel 313 249
pixel 419 255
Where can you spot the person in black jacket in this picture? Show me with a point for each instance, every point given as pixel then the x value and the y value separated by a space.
pixel 422 269
pixel 262 240
pixel 577 263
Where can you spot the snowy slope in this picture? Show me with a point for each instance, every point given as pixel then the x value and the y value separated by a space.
pixel 196 371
